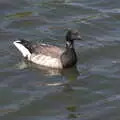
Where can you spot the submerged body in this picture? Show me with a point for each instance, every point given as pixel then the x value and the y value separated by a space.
pixel 49 55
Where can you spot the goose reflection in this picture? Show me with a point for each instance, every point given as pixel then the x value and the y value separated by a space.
pixel 68 76
pixel 46 71
pixel 70 73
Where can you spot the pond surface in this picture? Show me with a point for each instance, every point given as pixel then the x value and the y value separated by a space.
pixel 88 91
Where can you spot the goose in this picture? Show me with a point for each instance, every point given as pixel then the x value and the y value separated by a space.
pixel 49 55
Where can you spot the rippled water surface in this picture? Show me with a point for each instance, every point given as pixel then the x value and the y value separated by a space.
pixel 89 91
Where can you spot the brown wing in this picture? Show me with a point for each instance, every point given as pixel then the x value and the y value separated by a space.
pixel 48 50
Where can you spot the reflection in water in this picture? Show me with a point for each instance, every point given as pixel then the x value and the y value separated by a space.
pixel 40 91
pixel 68 75
pixel 72 109
pixel 45 70
pixel 71 75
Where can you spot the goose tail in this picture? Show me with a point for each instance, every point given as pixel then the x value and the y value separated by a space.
pixel 24 46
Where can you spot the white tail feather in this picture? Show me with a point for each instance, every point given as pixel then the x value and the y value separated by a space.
pixel 25 52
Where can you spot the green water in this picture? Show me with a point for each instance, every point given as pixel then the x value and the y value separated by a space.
pixel 88 91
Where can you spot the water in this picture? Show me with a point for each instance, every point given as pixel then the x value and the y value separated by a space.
pixel 89 91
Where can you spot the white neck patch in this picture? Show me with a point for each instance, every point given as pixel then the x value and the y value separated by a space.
pixel 69 44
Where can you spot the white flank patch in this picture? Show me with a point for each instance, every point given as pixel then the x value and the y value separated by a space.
pixel 47 61
pixel 25 52
pixel 55 84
